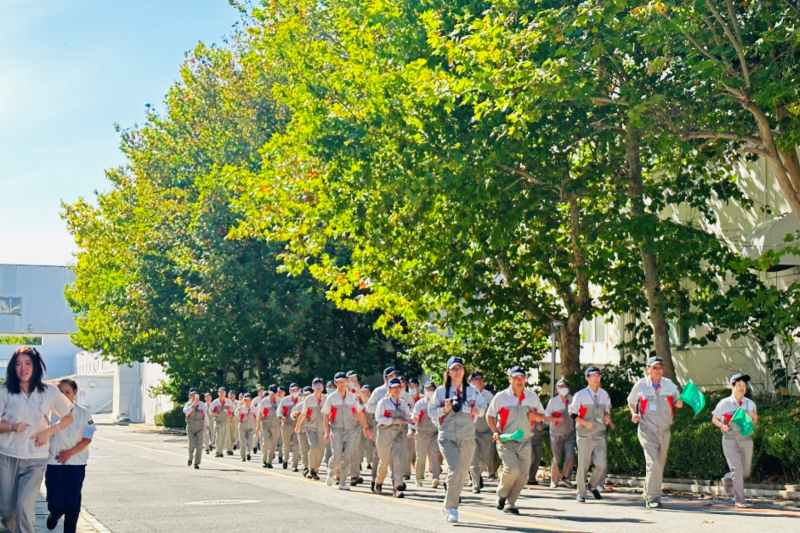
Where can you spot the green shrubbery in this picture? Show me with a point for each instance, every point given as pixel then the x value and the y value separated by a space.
pixel 172 419
pixel 696 449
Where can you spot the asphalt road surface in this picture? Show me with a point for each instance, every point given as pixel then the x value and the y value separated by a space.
pixel 138 482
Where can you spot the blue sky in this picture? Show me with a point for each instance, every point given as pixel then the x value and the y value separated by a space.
pixel 70 70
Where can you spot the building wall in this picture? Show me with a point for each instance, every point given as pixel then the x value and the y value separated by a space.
pixel 57 351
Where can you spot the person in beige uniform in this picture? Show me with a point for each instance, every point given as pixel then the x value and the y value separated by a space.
pixel 302 438
pixel 247 417
pixel 453 407
pixel 343 414
pixel 513 409
pixel 651 403
pixel 209 432
pixel 291 444
pixel 392 415
pixel 737 448
pixel 355 468
pixel 562 437
pixel 269 425
pixel 234 427
pixel 196 422
pixel 311 422
pixel 262 393
pixel 483 438
pixel 222 410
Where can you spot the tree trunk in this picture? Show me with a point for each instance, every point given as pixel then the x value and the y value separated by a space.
pixel 651 279
pixel 569 343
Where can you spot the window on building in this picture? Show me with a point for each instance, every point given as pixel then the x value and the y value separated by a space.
pixel 10 305
pixel 586 331
pixel 599 329
pixel 679 334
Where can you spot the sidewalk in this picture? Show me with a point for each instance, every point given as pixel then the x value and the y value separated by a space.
pixel 87 523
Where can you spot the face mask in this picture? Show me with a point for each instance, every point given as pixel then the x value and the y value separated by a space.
pixel 563 391
pixel 295 394
pixel 352 385
pixel 331 391
pixel 413 392
pixel 429 394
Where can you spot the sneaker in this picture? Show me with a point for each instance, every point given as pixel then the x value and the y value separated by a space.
pixel 403 486
pixel 553 485
pixel 435 483
pixel 189 463
pixel 596 493
pixel 565 482
pixel 511 510
pixel 243 460
pixel 269 465
pixel 329 481
pixel 378 488
pixel 580 499
pixel 738 506
pixel 248 456
pixel 295 469
pixel 197 467
pixel 501 503
pixel 218 455
pixel 344 487
pixel 230 453
pixel 255 450
pixel 418 483
pixel 532 482
pixel 285 466
pixel 476 490
pixel 264 465
pixel 655 504
pixel 452 516
pixel 406 477
pixel 207 451
pixel 51 522
pixel 398 494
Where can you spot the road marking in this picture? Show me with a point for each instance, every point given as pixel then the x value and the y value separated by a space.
pixel 223 502
pixel 461 511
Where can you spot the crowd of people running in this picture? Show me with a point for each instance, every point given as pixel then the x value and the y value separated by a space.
pixel 404 424
pixel 45 434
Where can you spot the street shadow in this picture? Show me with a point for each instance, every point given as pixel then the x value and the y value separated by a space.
pixel 504 527
pixel 713 509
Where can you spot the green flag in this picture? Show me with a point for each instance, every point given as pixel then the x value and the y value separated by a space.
pixel 743 420
pixel 692 396
pixel 517 436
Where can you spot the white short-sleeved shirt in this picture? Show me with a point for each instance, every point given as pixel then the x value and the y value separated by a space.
pixel 557 404
pixel 34 410
pixel 585 396
pixel 388 403
pixel 506 398
pixel 728 406
pixel 82 427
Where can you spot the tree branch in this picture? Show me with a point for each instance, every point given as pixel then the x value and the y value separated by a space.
pixel 524 173
pixel 736 44
pixel 734 22
pixel 730 136
pixel 609 101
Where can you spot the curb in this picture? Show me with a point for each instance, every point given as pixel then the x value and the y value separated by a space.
pixel 789 492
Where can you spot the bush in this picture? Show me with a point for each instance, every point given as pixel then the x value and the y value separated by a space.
pixel 171 419
pixel 695 449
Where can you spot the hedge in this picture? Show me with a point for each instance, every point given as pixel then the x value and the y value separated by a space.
pixel 171 419
pixel 695 449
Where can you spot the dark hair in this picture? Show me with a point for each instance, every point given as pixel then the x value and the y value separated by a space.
pixel 71 382
pixel 39 369
pixel 447 382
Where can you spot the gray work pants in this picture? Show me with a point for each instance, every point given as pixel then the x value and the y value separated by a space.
pixel 458 455
pixel 223 434
pixel 427 446
pixel 304 448
pixel 739 455
pixel 563 447
pixel 482 457
pixel 536 459
pixel 246 437
pixel 290 443
pixel 516 457
pixel 655 446
pixel 392 450
pixel 269 443
pixel 316 443
pixel 196 444
pixel 358 454
pixel 20 480
pixel 591 450
pixel 343 445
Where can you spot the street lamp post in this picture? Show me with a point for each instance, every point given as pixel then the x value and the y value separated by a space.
pixel 555 327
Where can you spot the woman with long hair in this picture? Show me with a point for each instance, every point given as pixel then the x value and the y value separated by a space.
pixel 453 408
pixel 66 465
pixel 26 405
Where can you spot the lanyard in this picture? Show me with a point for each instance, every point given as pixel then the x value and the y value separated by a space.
pixel 595 398
pixel 396 403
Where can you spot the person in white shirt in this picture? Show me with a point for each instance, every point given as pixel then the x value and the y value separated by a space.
pixel 483 438
pixel 737 448
pixel 562 436
pixel 591 411
pixel 291 443
pixel 247 418
pixel 196 422
pixel 262 392
pixel 393 415
pixel 369 409
pixel 343 414
pixel 26 406
pixel 651 403
pixel 453 407
pixel 66 464
pixel 302 437
pixel 222 410
pixel 425 433
pixel 311 423
pixel 269 426
pixel 355 469
pixel 209 433
pixel 514 410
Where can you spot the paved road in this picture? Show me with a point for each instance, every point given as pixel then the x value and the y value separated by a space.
pixel 138 482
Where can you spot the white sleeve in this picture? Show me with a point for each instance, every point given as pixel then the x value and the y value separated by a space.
pixel 718 409
pixel 493 407
pixel 326 408
pixel 58 403
pixel 480 403
pixel 380 410
pixel 633 397
pixel 575 406
pixel 188 408
pixel 608 403
pixel 435 405
pixel 89 427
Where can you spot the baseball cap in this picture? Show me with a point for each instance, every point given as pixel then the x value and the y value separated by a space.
pixel 294 386
pixel 192 391
pixel 454 361
pixel 652 361
pixel 273 388
pixel 739 377
pixel 413 381
pixel 316 380
pixel 394 382
pixel 515 371
pixel 339 376
pixel 351 374
pixel 430 383
pixel 388 371
pixel 366 386
pixel 221 389
pixel 476 374
pixel 591 370
pixel 560 382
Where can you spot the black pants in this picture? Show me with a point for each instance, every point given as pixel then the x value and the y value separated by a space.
pixel 64 483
